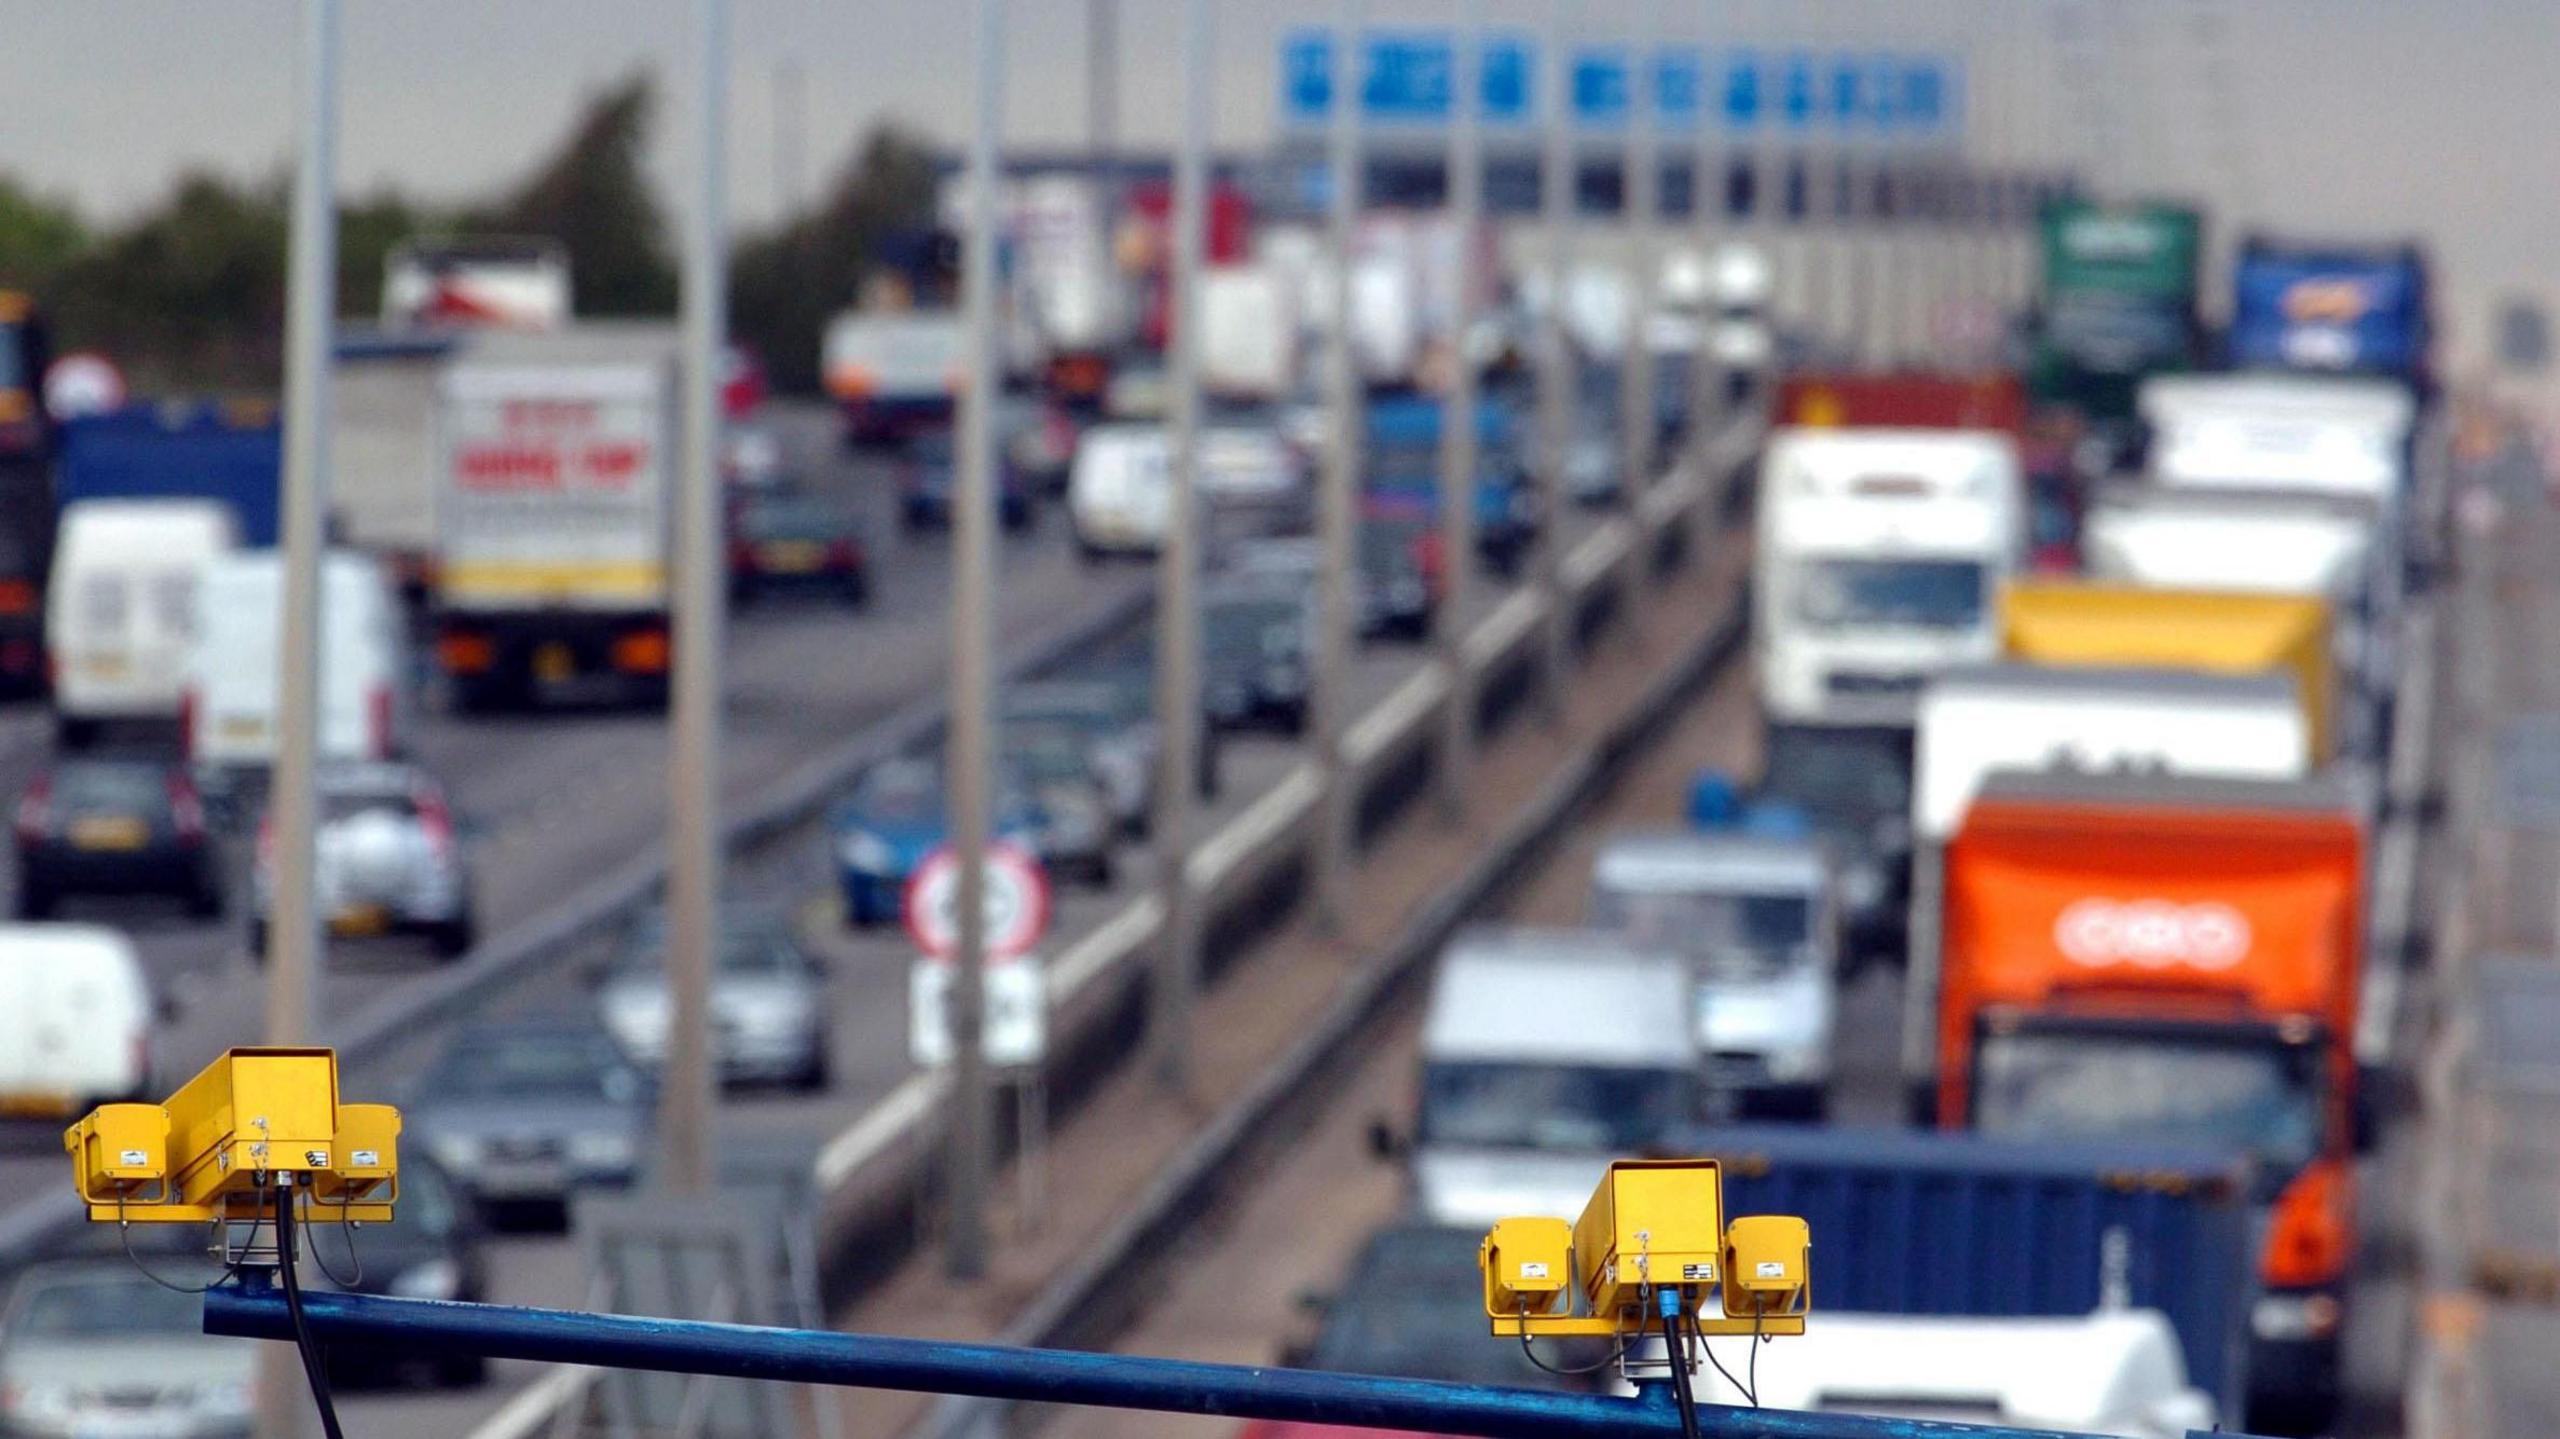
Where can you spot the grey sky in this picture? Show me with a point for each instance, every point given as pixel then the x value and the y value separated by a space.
pixel 2362 117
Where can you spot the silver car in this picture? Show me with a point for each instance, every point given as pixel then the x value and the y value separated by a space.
pixel 1118 730
pixel 390 859
pixel 770 1021
pixel 97 1348
pixel 530 1113
pixel 1078 826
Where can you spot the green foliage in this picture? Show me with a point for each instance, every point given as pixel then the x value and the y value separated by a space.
pixel 189 294
pixel 785 282
pixel 592 197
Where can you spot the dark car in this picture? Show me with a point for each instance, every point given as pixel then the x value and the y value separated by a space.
pixel 526 1114
pixel 1254 639
pixel 431 1249
pixel 1400 571
pixel 782 543
pixel 928 466
pixel 114 826
pixel 1412 1307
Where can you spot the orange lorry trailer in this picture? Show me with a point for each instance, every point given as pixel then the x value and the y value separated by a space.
pixel 2148 957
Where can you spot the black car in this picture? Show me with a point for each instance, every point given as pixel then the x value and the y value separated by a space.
pixel 1412 1307
pixel 786 543
pixel 115 826
pixel 929 464
pixel 1399 574
pixel 431 1249
pixel 1254 633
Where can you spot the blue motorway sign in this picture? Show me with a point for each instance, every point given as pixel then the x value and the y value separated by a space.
pixel 1408 76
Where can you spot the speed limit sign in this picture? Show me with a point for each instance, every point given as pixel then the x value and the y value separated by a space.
pixel 1016 909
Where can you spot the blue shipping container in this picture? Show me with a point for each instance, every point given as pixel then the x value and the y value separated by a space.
pixel 1926 1222
pixel 2330 311
pixel 189 451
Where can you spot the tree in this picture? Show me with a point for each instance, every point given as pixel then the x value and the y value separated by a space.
pixel 38 236
pixel 785 282
pixel 592 197
pixel 190 294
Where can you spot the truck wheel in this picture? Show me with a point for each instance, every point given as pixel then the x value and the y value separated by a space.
pixel 205 901
pixel 33 902
pixel 72 732
pixel 454 937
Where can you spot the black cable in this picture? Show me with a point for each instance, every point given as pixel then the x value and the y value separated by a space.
pixel 1568 1371
pixel 312 1366
pixel 1748 1392
pixel 230 1271
pixel 1751 1366
pixel 347 1232
pixel 1675 1351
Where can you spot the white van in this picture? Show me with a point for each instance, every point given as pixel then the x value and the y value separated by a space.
pixel 75 1020
pixel 230 704
pixel 120 607
pixel 1881 557
pixel 2112 1372
pixel 1120 491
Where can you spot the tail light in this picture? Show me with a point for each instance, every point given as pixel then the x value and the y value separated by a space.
pixel 35 809
pixel 266 844
pixel 641 652
pixel 186 811
pixel 17 597
pixel 2311 1233
pixel 435 820
pixel 377 722
pixel 844 555
pixel 188 700
pixel 1427 558
pixel 742 556
pixel 466 654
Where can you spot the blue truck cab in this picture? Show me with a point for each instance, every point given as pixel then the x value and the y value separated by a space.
pixel 2332 309
pixel 1403 472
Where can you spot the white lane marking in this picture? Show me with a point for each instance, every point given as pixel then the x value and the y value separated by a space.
pixel 534 1404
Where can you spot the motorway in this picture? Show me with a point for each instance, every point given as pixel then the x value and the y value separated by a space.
pixel 551 802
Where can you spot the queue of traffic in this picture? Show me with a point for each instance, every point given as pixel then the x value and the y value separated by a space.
pixel 2076 694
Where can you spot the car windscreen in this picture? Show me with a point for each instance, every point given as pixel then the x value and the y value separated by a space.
pixel 125 788
pixel 105 1308
pixel 787 519
pixel 2074 1083
pixel 1742 927
pixel 1238 625
pixel 349 804
pixel 901 794
pixel 1852 773
pixel 1902 593
pixel 567 1066
pixel 1510 1104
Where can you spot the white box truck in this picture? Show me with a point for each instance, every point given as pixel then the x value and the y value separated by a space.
pixel 1881 553
pixel 552 505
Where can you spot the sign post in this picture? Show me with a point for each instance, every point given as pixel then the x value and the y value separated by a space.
pixel 1013 1028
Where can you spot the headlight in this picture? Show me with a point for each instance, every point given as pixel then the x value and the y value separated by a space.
pixel 2293 1316
pixel 1796 1064
pixel 600 1151
pixel 863 850
pixel 435 1279
pixel 1863 886
pixel 456 1151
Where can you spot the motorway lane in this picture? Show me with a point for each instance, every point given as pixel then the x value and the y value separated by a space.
pixel 869 989
pixel 557 799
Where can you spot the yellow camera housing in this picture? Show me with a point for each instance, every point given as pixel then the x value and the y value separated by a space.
pixel 1652 1224
pixel 1528 1267
pixel 1766 1257
pixel 213 1151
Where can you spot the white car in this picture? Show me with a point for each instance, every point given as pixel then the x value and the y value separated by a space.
pixel 390 860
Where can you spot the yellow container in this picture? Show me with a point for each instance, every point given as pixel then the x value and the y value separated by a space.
pixel 2217 631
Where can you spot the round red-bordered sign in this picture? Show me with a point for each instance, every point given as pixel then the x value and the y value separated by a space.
pixel 1017 902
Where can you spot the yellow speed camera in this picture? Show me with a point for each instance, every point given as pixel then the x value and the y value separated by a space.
pixel 218 1147
pixel 1652 1227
